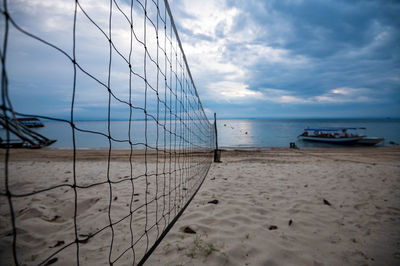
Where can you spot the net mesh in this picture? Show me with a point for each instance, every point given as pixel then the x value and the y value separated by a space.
pixel 114 205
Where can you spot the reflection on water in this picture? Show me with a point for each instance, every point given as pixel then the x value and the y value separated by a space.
pixel 237 133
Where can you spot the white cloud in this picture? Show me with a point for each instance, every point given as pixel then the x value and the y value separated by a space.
pixel 209 113
pixel 217 67
pixel 283 96
pixel 204 58
pixel 334 96
pixel 347 95
pixel 209 16
pixel 230 90
pixel 254 54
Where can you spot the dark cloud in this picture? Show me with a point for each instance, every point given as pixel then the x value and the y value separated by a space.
pixel 348 43
pixel 322 28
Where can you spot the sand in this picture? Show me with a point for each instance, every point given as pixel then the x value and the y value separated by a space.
pixel 268 207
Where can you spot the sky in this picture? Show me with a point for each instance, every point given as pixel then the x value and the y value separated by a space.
pixel 294 58
pixel 248 59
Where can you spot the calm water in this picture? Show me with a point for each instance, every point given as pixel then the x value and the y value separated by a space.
pixel 261 133
pixel 280 132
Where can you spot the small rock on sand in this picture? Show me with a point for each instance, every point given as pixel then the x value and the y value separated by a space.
pixel 272 227
pixel 327 202
pixel 215 201
pixel 189 230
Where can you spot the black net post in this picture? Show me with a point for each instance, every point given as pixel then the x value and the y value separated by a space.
pixel 217 152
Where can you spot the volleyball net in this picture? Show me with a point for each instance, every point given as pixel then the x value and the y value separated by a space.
pixel 120 63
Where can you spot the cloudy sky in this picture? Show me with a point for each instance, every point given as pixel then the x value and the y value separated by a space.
pixel 271 58
pixel 294 57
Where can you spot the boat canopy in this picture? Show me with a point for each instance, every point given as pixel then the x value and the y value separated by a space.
pixel 333 128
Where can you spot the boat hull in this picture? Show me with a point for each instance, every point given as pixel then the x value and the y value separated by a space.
pixel 341 141
pixel 370 141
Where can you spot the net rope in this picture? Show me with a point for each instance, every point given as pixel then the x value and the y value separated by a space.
pixel 165 168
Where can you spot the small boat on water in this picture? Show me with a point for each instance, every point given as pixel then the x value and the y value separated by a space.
pixel 17 134
pixel 30 121
pixel 338 135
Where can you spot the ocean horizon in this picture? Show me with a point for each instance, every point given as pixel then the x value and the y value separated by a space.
pixel 237 133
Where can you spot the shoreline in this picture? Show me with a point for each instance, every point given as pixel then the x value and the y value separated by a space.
pixel 119 154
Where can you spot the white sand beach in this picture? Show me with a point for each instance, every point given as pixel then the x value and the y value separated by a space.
pixel 271 211
pixel 264 207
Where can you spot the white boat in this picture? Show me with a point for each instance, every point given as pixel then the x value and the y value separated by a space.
pixel 329 135
pixel 339 140
pixel 338 135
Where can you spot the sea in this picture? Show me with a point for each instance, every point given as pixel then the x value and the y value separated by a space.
pixel 232 133
pixel 265 133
